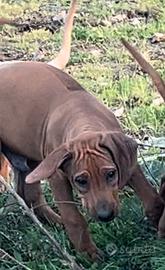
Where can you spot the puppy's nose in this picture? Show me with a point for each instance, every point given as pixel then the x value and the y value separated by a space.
pixel 105 216
pixel 104 212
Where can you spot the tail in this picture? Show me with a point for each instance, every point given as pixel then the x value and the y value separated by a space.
pixel 8 21
pixel 157 80
pixel 63 56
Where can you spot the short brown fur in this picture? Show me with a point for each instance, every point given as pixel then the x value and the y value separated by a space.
pixel 55 122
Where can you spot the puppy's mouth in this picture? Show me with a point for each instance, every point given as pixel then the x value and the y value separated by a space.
pixel 104 214
pixel 100 214
pixel 105 217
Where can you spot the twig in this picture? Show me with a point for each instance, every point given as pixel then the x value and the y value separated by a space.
pixel 151 145
pixel 142 145
pixel 4 254
pixel 61 253
pixel 43 204
pixel 148 169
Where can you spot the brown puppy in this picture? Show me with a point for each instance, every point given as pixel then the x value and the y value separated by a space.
pixel 59 131
pixel 82 146
pixel 54 119
pixel 160 85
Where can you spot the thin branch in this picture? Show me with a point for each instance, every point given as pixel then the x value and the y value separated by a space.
pixel 151 145
pixel 44 204
pixel 149 171
pixel 59 251
pixel 4 255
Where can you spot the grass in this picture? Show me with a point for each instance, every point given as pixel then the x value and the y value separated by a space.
pixel 101 64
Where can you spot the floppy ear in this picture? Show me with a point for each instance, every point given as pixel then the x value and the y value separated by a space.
pixel 55 160
pixel 123 150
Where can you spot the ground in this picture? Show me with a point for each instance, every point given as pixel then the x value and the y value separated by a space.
pixel 101 64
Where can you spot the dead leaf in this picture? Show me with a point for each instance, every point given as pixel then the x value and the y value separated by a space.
pixel 105 22
pixel 60 17
pixel 119 112
pixel 158 101
pixel 135 21
pixel 119 18
pixel 158 37
pixel 94 51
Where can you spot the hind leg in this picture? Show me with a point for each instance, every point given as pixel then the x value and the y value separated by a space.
pixel 32 194
pixel 4 169
pixel 152 201
pixel 161 226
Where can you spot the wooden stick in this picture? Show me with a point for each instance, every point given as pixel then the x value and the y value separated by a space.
pixel 56 246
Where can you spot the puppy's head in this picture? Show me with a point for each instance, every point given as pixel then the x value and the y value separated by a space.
pixel 97 166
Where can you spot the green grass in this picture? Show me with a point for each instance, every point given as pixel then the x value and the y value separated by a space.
pixel 101 64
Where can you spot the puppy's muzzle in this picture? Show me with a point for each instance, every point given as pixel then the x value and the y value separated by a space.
pixel 105 211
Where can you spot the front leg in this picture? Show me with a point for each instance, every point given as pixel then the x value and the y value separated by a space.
pixel 153 204
pixel 73 221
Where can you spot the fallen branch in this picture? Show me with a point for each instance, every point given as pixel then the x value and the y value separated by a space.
pixel 56 247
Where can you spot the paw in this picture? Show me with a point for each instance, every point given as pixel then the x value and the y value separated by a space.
pixel 96 254
pixel 154 211
pixel 161 226
pixel 161 234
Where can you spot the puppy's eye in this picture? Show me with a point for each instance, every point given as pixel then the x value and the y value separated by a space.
pixel 110 175
pixel 81 181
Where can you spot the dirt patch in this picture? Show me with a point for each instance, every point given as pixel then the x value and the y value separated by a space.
pixel 47 18
pixel 37 20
